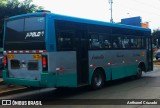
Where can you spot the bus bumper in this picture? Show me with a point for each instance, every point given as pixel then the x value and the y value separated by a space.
pixel 47 80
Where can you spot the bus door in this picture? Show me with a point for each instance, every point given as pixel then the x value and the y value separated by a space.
pixel 82 57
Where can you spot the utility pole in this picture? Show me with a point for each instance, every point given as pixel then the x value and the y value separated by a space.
pixel 111 2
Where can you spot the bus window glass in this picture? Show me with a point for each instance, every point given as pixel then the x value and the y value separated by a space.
pixel 104 41
pixel 101 40
pixel 133 43
pixel 125 42
pixel 107 41
pixel 34 23
pixel 65 40
pixel 16 25
pixel 26 32
pixel 94 41
pixel 137 43
pixel 143 43
pixel 117 41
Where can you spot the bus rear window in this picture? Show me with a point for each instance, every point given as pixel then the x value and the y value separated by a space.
pixel 16 25
pixel 24 32
pixel 35 23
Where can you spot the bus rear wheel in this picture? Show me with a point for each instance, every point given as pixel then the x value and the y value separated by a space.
pixel 138 73
pixel 97 79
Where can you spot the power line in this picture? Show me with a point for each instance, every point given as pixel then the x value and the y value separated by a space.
pixel 133 9
pixel 146 4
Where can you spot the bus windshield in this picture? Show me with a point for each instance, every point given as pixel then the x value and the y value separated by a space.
pixel 25 34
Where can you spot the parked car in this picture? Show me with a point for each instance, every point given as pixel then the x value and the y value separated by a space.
pixel 157 54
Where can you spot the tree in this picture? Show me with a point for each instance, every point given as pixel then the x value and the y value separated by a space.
pixel 27 7
pixel 3 2
pixel 14 7
pixel 156 37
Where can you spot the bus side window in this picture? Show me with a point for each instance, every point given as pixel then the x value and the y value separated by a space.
pixel 144 43
pixel 101 40
pixel 120 42
pixel 125 42
pixel 65 40
pixel 104 41
pixel 117 42
pixel 131 43
pixel 107 44
pixel 94 41
pixel 115 45
pixel 136 43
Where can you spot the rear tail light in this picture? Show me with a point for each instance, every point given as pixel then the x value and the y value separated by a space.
pixel 5 61
pixel 44 63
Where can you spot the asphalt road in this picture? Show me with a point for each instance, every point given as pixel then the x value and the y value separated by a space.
pixel 148 87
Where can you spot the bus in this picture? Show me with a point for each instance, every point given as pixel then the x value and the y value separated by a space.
pixel 44 49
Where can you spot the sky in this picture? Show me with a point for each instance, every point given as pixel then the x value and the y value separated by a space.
pixel 148 10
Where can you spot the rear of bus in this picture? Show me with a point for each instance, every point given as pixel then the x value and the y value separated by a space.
pixel 25 57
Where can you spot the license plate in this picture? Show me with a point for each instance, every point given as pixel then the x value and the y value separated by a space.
pixel 37 56
pixel 10 56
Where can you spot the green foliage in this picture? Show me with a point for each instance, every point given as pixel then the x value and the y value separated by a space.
pixel 3 2
pixel 14 7
pixel 156 37
pixel 156 33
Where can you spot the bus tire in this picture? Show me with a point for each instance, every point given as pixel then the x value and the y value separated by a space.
pixel 138 73
pixel 98 79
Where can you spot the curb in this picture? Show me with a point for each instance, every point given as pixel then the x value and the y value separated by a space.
pixel 13 91
pixel 156 62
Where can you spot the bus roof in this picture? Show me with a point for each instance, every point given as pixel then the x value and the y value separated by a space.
pixel 89 21
pixel 81 20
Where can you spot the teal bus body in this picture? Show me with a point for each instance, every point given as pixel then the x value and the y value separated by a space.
pixel 67 51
